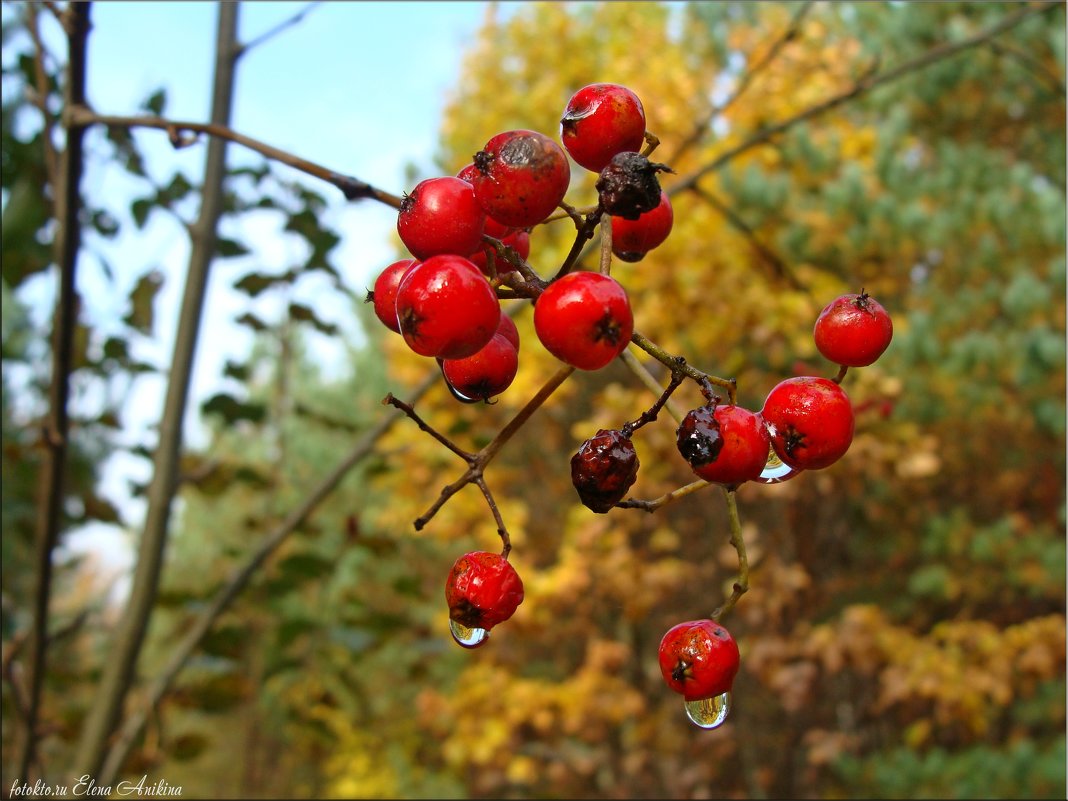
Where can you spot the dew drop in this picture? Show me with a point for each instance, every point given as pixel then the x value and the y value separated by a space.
pixel 776 470
pixel 468 637
pixel 709 713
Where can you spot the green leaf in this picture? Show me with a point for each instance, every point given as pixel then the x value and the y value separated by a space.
pixel 255 283
pixel 156 102
pixel 229 248
pixel 140 209
pixel 233 410
pixel 252 321
pixel 298 311
pixel 142 298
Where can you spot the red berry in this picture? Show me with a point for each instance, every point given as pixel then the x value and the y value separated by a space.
pixel 482 590
pixel 487 373
pixel 441 215
pixel 810 420
pixel 728 445
pixel 506 328
pixel 447 308
pixel 603 469
pixel 384 294
pixel 853 330
pixel 584 319
pixel 632 239
pixel 600 120
pixel 522 176
pixel 699 659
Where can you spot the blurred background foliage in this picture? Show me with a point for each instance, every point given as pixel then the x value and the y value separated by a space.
pixel 904 634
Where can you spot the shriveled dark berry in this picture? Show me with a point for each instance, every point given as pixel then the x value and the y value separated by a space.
pixel 603 469
pixel 699 439
pixel 628 186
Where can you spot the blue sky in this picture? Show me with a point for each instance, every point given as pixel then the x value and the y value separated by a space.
pixel 356 86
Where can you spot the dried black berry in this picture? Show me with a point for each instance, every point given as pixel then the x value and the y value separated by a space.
pixel 603 469
pixel 698 437
pixel 628 186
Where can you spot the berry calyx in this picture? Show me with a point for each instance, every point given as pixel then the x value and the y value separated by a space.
pixel 724 444
pixel 632 239
pixel 521 177
pixel 628 186
pixel 446 308
pixel 384 294
pixel 484 374
pixel 584 319
pixel 482 590
pixel 853 330
pixel 810 421
pixel 601 120
pixel 603 469
pixel 699 659
pixel 441 215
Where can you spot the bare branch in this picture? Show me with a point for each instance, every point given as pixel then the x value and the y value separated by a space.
pixel 741 585
pixel 267 35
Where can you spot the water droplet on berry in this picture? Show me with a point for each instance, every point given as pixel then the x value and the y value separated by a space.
pixel 468 637
pixel 709 713
pixel 776 470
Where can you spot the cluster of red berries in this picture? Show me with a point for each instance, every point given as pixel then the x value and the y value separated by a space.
pixel 469 238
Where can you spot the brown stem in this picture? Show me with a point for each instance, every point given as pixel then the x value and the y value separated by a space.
pixel 663 500
pixel 650 414
pixel 606 244
pixel 585 233
pixel 352 188
pixel 628 358
pixel 66 212
pixel 842 370
pixel 741 585
pixel 678 363
pixel 277 29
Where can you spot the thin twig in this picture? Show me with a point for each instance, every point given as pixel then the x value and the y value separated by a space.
pixel 861 87
pixel 663 500
pixel 352 188
pixel 606 244
pixel 679 363
pixel 628 358
pixel 51 159
pixel 650 414
pixel 297 18
pixel 741 584
pixel 1030 64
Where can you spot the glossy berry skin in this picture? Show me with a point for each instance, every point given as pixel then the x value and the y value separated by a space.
pixel 446 308
pixel 632 239
pixel 506 328
pixel 384 294
pixel 853 330
pixel 522 177
pixel 727 446
pixel 699 659
pixel 600 120
pixel 810 421
pixel 482 590
pixel 584 319
pixel 487 373
pixel 603 469
pixel 441 215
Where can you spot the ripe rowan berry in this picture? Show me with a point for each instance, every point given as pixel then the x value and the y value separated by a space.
pixel 482 590
pixel 484 374
pixel 853 330
pixel 506 328
pixel 603 469
pixel 441 215
pixel 522 176
pixel 584 319
pixel 446 308
pixel 384 295
pixel 810 421
pixel 724 444
pixel 628 186
pixel 632 239
pixel 601 120
pixel 699 659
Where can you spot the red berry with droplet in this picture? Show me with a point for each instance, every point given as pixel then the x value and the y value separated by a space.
pixel 584 319
pixel 522 177
pixel 699 659
pixel 384 294
pixel 603 469
pixel 632 239
pixel 482 590
pixel 727 445
pixel 485 374
pixel 601 120
pixel 446 308
pixel 441 215
pixel 810 421
pixel 853 330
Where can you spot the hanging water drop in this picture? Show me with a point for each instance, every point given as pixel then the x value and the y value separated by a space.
pixel 709 713
pixel 776 470
pixel 467 637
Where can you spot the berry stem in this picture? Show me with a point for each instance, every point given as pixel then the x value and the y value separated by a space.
pixel 585 233
pixel 741 586
pixel 392 400
pixel 650 382
pixel 650 414
pixel 842 370
pixel 674 363
pixel 652 142
pixel 606 244
pixel 502 530
pixel 663 500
